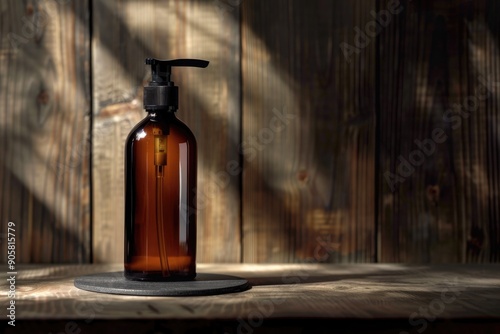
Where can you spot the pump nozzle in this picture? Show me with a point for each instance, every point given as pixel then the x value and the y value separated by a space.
pixel 161 94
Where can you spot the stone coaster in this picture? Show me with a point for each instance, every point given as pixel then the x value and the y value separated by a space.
pixel 202 285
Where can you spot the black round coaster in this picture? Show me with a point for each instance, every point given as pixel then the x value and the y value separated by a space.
pixel 202 285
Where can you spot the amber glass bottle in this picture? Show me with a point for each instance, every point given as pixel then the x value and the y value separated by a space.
pixel 160 183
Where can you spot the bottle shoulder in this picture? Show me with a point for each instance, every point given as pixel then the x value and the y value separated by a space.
pixel 171 125
pixel 143 122
pixel 136 129
pixel 183 127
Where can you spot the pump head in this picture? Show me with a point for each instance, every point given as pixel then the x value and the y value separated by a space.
pixel 160 93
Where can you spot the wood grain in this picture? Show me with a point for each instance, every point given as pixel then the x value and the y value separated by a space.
pixel 279 291
pixel 44 129
pixel 308 133
pixel 438 63
pixel 125 33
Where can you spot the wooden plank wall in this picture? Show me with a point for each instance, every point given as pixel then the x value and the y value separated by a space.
pixel 321 106
pixel 44 129
pixel 439 140
pixel 308 133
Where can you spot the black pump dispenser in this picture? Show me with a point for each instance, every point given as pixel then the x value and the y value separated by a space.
pixel 161 94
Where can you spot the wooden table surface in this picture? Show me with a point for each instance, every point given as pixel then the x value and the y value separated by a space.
pixel 290 297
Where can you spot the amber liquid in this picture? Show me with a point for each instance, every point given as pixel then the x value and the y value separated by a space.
pixel 160 210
